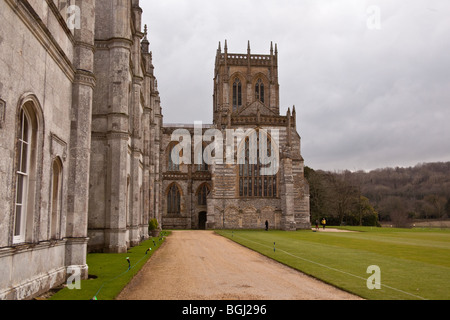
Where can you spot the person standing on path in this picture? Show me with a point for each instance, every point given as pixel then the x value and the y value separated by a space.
pixel 324 223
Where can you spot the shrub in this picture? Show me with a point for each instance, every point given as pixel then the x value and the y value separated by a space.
pixel 152 225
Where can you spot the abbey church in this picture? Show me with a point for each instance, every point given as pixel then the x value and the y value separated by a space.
pixel 86 159
pixel 228 195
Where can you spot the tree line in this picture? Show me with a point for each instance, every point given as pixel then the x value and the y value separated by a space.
pixel 395 195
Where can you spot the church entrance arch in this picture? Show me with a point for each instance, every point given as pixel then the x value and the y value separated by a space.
pixel 202 218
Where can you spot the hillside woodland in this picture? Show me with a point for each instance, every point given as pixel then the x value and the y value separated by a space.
pixel 396 195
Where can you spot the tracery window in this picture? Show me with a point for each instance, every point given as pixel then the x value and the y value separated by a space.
pixel 174 160
pixel 237 94
pixel 200 160
pixel 202 195
pixel 173 200
pixel 259 90
pixel 251 182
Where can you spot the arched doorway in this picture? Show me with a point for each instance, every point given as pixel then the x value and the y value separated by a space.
pixel 202 218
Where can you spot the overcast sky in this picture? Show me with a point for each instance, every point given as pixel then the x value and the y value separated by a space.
pixel 370 79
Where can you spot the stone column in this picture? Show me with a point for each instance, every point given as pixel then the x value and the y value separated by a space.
pixel 287 195
pixel 116 217
pixel 211 222
pixel 157 166
pixel 211 211
pixel 146 180
pixel 80 141
pixel 136 170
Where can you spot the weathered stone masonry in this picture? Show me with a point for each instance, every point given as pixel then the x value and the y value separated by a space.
pixel 85 157
pixel 80 118
pixel 237 105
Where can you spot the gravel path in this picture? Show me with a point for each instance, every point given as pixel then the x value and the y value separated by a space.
pixel 201 265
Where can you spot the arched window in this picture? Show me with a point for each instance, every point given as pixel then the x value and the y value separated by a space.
pixel 174 160
pixel 237 94
pixel 25 173
pixel 202 194
pixel 127 203
pixel 259 90
pixel 56 198
pixel 173 200
pixel 251 182
pixel 200 159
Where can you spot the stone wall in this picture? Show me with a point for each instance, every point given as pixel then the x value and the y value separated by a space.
pixel 289 210
pixel 245 214
pixel 95 111
pixel 38 59
pixel 126 116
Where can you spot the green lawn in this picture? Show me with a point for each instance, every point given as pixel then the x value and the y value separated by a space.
pixel 414 263
pixel 111 271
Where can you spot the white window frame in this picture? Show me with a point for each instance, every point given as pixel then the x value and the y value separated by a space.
pixel 20 237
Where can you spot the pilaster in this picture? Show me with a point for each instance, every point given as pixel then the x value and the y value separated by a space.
pixel 80 140
pixel 287 196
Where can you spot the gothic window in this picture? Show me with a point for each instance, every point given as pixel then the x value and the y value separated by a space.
pixel 251 182
pixel 200 160
pixel 259 91
pixel 127 199
pixel 173 200
pixel 202 194
pixel 56 198
pixel 25 174
pixel 237 94
pixel 174 160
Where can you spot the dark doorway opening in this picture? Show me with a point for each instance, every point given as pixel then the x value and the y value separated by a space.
pixel 202 218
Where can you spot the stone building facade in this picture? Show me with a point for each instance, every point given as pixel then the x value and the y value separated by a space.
pixel 86 160
pixel 235 194
pixel 126 124
pixel 79 117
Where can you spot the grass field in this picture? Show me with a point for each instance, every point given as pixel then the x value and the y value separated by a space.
pixel 414 263
pixel 112 273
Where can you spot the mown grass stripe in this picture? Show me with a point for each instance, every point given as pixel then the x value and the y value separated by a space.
pixel 325 266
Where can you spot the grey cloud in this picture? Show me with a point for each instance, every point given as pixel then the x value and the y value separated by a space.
pixel 364 98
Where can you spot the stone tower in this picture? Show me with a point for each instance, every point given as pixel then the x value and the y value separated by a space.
pixel 239 194
pixel 244 73
pixel 246 96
